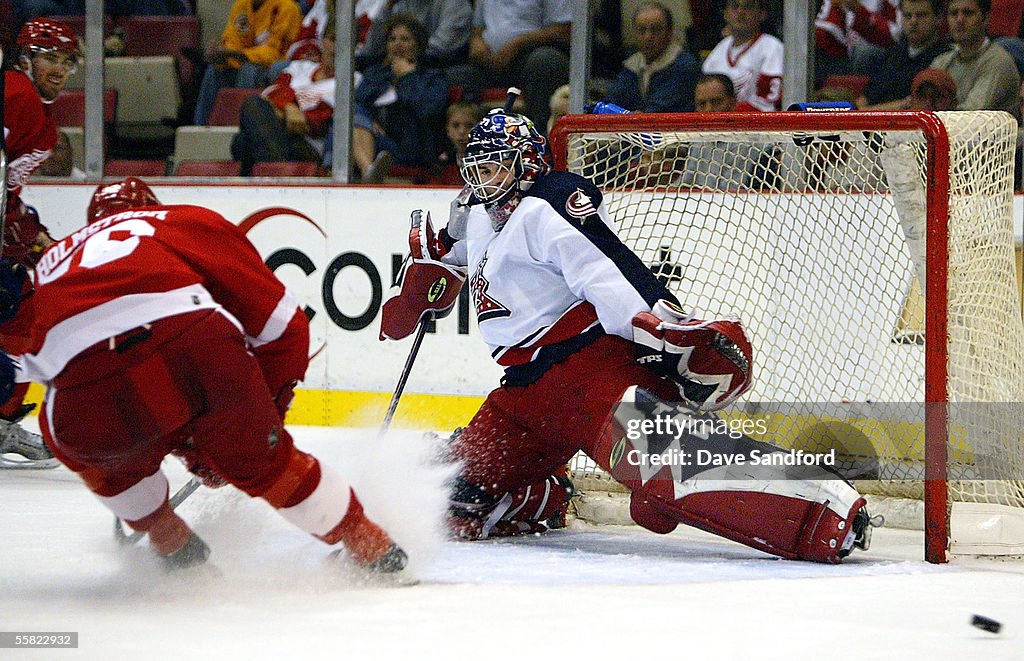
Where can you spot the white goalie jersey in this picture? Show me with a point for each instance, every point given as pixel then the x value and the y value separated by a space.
pixel 555 271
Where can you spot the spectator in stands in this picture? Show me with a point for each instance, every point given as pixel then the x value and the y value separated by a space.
pixel 461 117
pixel 660 76
pixel 851 35
pixel 986 77
pixel 61 162
pixel 523 43
pixel 448 24
pixel 257 34
pixel 920 42
pixel 399 105
pixel 714 93
pixel 709 25
pixel 933 89
pixel 752 59
pixel 723 165
pixel 289 120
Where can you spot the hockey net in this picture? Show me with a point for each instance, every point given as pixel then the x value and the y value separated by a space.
pixel 814 228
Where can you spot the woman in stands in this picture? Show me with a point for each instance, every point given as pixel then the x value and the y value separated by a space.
pixel 400 105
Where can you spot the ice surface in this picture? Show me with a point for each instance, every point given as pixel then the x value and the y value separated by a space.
pixel 588 592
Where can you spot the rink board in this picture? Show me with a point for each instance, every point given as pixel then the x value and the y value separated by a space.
pixel 338 248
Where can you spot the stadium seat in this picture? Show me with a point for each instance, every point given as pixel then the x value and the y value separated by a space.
pixel 228 104
pixel 203 143
pixel 1005 17
pixel 69 108
pixel 147 88
pixel 134 168
pixel 412 174
pixel 164 35
pixel 208 169
pixel 284 169
pixel 77 24
pixel 855 84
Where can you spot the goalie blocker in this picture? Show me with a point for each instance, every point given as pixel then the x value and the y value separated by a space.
pixel 692 468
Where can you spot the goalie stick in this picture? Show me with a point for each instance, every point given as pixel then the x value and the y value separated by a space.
pixel 421 328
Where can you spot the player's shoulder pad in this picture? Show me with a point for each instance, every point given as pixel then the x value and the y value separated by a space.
pixel 574 197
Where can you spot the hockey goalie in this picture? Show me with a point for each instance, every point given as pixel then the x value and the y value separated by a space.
pixel 586 333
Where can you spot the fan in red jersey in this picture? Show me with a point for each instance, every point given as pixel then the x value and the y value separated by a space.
pixel 47 54
pixel 154 324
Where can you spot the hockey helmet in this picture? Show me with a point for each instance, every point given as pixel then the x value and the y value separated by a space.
pixel 45 35
pixel 111 198
pixel 514 152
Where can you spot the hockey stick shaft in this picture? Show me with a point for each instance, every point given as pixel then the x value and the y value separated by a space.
pixel 177 499
pixel 421 329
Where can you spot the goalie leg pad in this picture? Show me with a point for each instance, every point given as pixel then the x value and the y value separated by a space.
pixel 716 479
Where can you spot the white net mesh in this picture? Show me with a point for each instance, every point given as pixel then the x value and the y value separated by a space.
pixel 817 240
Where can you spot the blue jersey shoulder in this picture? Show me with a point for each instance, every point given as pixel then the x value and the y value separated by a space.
pixel 574 197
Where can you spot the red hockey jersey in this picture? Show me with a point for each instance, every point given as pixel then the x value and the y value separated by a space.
pixel 29 129
pixel 141 265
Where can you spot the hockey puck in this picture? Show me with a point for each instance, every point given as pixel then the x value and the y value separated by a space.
pixel 986 623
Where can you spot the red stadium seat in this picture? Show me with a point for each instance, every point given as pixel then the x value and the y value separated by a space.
pixel 132 168
pixel 284 169
pixel 208 169
pixel 228 104
pixel 164 35
pixel 1004 19
pixel 416 175
pixel 69 107
pixel 77 24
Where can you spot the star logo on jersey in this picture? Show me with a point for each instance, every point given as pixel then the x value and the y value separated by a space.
pixel 579 205
pixel 486 307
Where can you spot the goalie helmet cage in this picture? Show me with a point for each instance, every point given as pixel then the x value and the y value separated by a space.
pixel 814 228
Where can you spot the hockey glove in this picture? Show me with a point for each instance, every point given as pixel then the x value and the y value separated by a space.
pixel 423 242
pixel 190 456
pixel 429 291
pixel 710 360
pixel 21 235
pixel 12 283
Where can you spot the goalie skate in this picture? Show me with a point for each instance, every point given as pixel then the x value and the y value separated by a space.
pixel 20 448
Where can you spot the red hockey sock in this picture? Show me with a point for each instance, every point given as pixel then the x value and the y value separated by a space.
pixel 364 539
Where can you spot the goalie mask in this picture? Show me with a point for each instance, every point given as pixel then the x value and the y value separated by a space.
pixel 111 198
pixel 504 156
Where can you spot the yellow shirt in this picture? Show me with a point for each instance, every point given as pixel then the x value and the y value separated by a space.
pixel 263 34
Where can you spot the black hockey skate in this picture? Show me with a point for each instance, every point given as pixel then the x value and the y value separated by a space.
pixel 860 534
pixel 194 553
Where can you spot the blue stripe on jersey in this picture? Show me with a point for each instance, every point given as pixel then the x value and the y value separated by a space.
pixel 556 188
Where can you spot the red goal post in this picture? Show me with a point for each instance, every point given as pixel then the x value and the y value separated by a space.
pixel 815 227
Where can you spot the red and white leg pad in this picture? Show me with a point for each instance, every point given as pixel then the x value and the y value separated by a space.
pixel 787 526
pixel 687 467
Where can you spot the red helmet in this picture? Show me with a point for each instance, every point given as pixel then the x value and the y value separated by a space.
pixel 111 198
pixel 44 34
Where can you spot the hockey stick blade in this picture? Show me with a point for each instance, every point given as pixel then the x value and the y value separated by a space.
pixel 127 539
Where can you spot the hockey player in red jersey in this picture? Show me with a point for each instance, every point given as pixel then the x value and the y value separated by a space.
pixel 153 324
pixel 585 331
pixel 47 54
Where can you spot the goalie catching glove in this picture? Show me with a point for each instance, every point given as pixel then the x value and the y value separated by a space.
pixel 429 288
pixel 710 360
